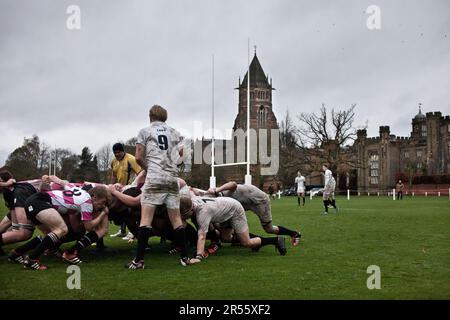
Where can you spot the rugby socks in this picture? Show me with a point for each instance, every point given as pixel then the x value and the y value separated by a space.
pixel 27 246
pixel 325 204
pixel 49 241
pixel 180 241
pixel 303 200
pixel 192 235
pixel 298 200
pixel 267 241
pixel 143 235
pixel 85 241
pixel 286 231
pixel 333 203
pixel 100 244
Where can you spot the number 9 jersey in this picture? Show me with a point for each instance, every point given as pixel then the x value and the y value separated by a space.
pixel 162 144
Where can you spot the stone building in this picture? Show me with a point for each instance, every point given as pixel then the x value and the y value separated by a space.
pixel 425 151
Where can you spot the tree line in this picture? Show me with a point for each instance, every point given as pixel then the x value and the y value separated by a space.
pixel 36 158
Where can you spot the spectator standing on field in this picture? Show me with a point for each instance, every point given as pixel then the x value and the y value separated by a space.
pixel 399 189
pixel 124 169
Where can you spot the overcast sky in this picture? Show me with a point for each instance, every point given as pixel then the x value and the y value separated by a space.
pixel 88 87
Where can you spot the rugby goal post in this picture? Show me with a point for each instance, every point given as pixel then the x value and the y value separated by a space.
pixel 248 177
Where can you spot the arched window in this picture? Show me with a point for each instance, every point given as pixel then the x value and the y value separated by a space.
pixel 261 117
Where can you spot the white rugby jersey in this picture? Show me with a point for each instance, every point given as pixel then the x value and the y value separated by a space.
pixel 328 178
pixel 247 195
pixel 300 181
pixel 72 200
pixel 214 210
pixel 161 144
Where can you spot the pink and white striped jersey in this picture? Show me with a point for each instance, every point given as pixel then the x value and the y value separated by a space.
pixel 72 200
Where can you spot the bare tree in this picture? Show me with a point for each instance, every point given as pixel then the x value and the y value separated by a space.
pixel 327 139
pixel 104 157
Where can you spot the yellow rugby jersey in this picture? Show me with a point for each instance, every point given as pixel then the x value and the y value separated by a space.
pixel 124 169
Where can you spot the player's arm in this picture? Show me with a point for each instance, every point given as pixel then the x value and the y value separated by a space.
pixel 140 178
pixel 127 200
pixel 198 192
pixel 56 180
pixel 229 186
pixel 140 155
pixel 92 224
pixel 181 183
pixel 8 183
pixel 134 165
pixel 201 243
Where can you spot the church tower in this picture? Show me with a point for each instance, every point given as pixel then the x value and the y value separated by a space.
pixel 261 113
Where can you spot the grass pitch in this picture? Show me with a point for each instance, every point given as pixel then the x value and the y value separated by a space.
pixel 409 240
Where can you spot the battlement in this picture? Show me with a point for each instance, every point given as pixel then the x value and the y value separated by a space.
pixel 403 138
pixel 361 133
pixel 435 114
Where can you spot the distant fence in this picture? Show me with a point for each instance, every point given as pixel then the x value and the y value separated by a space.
pixel 436 192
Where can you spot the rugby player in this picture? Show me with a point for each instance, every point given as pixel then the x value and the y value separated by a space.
pixel 220 210
pixel 300 182
pixel 328 191
pixel 157 148
pixel 252 198
pixel 15 195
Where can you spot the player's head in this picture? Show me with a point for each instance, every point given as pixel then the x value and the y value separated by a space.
pixel 324 167
pixel 101 198
pixel 399 181
pixel 186 208
pixel 5 175
pixel 299 173
pixel 158 113
pixel 119 151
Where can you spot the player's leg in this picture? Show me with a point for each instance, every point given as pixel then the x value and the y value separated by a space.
pixel 17 255
pixel 22 228
pixel 240 226
pixel 58 229
pixel 173 210
pixel 264 213
pixel 258 242
pixel 72 254
pixel 333 202
pixel 303 198
pixel 298 198
pixel 144 233
pixel 280 230
pixel 6 223
pixel 326 201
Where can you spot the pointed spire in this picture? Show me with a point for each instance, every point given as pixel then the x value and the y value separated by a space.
pixel 257 75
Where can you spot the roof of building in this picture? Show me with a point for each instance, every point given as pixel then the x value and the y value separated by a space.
pixel 257 75
pixel 420 115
